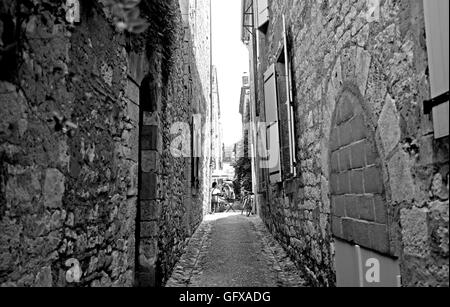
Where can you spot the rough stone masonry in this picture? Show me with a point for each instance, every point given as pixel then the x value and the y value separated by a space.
pixel 87 183
pixel 370 171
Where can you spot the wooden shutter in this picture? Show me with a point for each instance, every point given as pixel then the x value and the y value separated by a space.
pixel 262 8
pixel 272 122
pixel 288 105
pixel 437 28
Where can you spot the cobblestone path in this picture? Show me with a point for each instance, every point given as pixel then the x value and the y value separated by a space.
pixel 231 250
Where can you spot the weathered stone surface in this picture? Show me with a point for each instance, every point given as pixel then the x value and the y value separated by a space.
pixel 415 235
pixel 54 188
pixel 336 47
pixel 44 278
pixel 363 61
pixel 150 161
pixel 389 126
pixel 401 181
pixel 69 143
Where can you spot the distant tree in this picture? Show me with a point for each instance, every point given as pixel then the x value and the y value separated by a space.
pixel 243 179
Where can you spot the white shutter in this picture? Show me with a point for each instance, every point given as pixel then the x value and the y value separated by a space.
pixel 288 105
pixel 437 28
pixel 262 7
pixel 272 121
pixel 197 135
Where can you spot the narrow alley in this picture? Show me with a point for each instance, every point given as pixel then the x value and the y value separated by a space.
pixel 232 250
pixel 128 128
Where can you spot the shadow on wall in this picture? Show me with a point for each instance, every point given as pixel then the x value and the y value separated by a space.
pixel 8 43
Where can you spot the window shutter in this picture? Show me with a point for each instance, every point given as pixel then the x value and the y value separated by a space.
pixel 272 131
pixel 437 28
pixel 288 105
pixel 263 12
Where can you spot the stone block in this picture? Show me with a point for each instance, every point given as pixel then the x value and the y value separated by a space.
pixel 339 206
pixel 401 180
pixel 370 153
pixel 347 230
pixel 366 208
pixel 358 155
pixel 373 183
pixel 133 112
pixel 381 215
pixel 151 119
pixel 345 109
pixel 379 238
pixel 363 60
pixel 361 233
pixel 335 142
pixel 358 128
pixel 149 186
pixel 352 206
pixel 344 159
pixel 415 235
pixel 150 160
pixel 149 138
pixel 389 126
pixel 344 183
pixel 336 226
pixel 132 91
pixel 150 210
pixel 44 278
pixel 357 183
pixel 345 134
pixel 134 145
pixel 149 229
pixel 335 162
pixel 334 184
pixel 54 188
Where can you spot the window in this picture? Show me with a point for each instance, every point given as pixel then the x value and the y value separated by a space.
pixel 289 105
pixel 262 7
pixel 437 27
pixel 280 125
pixel 272 125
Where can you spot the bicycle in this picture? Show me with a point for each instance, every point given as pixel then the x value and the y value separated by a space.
pixel 248 205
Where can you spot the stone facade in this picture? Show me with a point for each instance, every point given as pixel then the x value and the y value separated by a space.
pixel 370 171
pixel 85 135
pixel 216 124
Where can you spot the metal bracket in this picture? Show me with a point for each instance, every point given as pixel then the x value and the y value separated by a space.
pixel 428 105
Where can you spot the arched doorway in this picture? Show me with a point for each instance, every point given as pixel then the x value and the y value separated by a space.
pixel 360 223
pixel 149 206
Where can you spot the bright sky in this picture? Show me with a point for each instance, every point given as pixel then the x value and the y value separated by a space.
pixel 230 56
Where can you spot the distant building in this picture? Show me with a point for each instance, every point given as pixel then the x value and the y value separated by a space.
pixel 216 126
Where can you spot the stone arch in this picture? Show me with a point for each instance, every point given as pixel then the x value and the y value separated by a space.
pixel 149 206
pixel 357 190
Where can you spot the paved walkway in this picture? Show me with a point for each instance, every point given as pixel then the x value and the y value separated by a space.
pixel 230 250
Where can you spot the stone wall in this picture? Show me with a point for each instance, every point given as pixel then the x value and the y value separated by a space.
pixel 171 195
pixel 369 171
pixel 68 192
pixel 75 107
